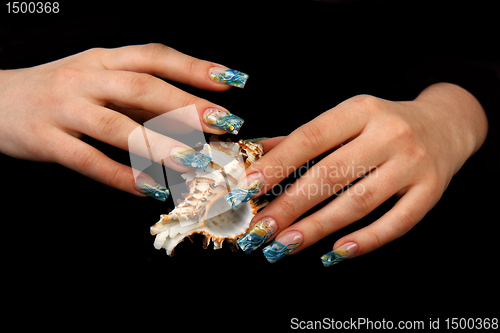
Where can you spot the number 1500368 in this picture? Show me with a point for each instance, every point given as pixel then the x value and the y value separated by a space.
pixel 32 7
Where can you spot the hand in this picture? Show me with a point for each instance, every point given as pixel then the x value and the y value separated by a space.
pixel 410 149
pixel 45 110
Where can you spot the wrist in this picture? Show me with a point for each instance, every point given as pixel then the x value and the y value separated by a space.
pixel 460 110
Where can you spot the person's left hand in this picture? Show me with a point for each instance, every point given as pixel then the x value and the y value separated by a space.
pixel 411 149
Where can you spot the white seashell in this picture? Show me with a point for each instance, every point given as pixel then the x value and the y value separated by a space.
pixel 204 211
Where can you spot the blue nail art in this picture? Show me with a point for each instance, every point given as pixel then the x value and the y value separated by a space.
pixel 258 235
pixel 339 254
pixel 191 158
pixel 154 191
pixel 275 251
pixel 238 195
pixel 223 120
pixel 230 76
pixel 334 257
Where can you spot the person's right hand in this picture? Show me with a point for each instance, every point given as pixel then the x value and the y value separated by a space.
pixel 45 110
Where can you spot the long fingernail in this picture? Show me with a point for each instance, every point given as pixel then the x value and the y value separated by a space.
pixel 190 158
pixel 258 234
pixel 223 120
pixel 339 254
pixel 228 76
pixel 146 185
pixel 282 246
pixel 246 190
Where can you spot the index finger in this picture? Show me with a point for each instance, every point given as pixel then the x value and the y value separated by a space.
pixel 163 61
pixel 321 134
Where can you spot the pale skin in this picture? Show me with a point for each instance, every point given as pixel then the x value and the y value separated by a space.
pixel 102 93
pixel 415 147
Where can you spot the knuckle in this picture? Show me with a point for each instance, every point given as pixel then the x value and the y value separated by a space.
pixel 66 74
pixel 94 53
pixel 334 174
pixel 153 51
pixel 374 239
pixel 362 201
pixel 140 85
pixel 288 209
pixel 191 100
pixel 274 169
pixel 86 160
pixel 192 69
pixel 316 227
pixel 311 135
pixel 401 129
pixel 418 152
pixel 108 124
pixel 366 103
pixel 114 179
pixel 405 221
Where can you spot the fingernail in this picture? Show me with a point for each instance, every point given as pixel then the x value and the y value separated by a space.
pixel 223 120
pixel 246 190
pixel 282 246
pixel 339 254
pixel 228 76
pixel 255 140
pixel 258 234
pixel 190 158
pixel 146 185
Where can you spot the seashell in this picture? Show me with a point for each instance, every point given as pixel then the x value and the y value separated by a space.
pixel 202 211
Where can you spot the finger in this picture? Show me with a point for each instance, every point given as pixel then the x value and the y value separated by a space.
pixel 324 179
pixel 146 92
pixel 351 205
pixel 406 213
pixel 307 142
pixel 85 159
pixel 163 61
pixel 269 143
pixel 377 186
pixel 120 131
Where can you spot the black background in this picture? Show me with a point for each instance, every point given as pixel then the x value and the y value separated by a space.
pixel 76 249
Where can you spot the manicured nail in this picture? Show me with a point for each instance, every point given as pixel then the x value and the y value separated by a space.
pixel 228 76
pixel 339 254
pixel 223 120
pixel 258 235
pixel 282 246
pixel 190 158
pixel 146 185
pixel 246 190
pixel 255 140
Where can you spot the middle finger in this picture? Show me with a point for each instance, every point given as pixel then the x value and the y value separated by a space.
pixel 146 92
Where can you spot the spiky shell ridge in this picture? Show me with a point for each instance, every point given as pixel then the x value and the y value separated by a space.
pixel 191 215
